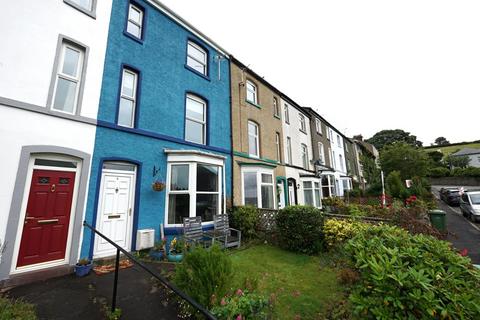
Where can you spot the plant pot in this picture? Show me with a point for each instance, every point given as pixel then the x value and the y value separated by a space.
pixel 83 270
pixel 156 255
pixel 158 186
pixel 175 257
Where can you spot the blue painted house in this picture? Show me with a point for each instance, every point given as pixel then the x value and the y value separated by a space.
pixel 164 118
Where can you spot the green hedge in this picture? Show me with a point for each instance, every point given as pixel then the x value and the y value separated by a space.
pixel 299 229
pixel 439 172
pixel 411 277
pixel 245 219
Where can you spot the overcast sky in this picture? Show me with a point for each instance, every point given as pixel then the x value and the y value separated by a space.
pixel 364 65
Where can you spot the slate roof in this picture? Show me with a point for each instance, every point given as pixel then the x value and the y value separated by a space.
pixel 466 152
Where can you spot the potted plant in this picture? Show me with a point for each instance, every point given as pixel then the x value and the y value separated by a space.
pixel 175 252
pixel 158 250
pixel 158 185
pixel 83 267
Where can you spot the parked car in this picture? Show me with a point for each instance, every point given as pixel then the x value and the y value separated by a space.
pixel 470 205
pixel 450 196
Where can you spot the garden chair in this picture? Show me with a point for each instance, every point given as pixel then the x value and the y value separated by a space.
pixel 193 232
pixel 228 237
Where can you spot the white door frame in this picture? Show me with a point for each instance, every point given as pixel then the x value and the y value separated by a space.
pixel 26 195
pixel 98 223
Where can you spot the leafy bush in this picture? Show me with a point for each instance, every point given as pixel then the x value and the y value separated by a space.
pixel 466 172
pixel 395 185
pixel 338 231
pixel 204 274
pixel 300 229
pixel 407 276
pixel 242 305
pixel 438 172
pixel 245 219
pixel 16 309
pixel 333 201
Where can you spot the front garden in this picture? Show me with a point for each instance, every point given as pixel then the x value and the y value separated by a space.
pixel 318 267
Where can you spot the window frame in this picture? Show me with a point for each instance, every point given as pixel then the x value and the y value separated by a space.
pixel 206 66
pixel 321 153
pixel 339 142
pixel 141 9
pixel 134 98
pixel 304 156
pixel 303 125
pixel 287 113
pixel 204 102
pixel 318 126
pixel 193 161
pixel 257 140
pixel 92 12
pixel 255 91
pixel 342 165
pixel 276 109
pixel 259 171
pixel 63 42
pixel 278 146
pixel 289 151
pixel 317 203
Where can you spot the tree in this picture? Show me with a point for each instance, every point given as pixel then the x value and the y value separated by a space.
pixel 441 141
pixel 406 159
pixel 394 183
pixel 387 137
pixel 436 157
pixel 457 161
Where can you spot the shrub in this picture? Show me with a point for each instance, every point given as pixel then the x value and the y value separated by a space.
pixel 407 276
pixel 438 172
pixel 204 274
pixel 245 219
pixel 300 229
pixel 338 231
pixel 394 184
pixel 242 305
pixel 16 309
pixel 348 276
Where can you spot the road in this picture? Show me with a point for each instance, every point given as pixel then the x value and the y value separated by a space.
pixel 463 234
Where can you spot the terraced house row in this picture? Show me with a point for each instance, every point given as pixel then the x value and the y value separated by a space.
pixel 121 114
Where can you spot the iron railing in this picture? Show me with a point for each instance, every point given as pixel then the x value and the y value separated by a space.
pixel 160 278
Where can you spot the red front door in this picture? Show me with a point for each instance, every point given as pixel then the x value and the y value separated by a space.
pixel 45 228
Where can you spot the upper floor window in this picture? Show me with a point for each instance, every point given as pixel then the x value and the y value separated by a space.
pixel 321 153
pixel 328 133
pixel 135 21
pixel 69 77
pixel 304 156
pixel 303 126
pixel 287 115
pixel 289 150
pixel 195 119
pixel 277 144
pixel 318 126
pixel 253 139
pixel 251 92
pixel 334 165
pixel 197 58
pixel 128 98
pixel 85 6
pixel 276 109
pixel 340 159
pixel 338 141
pixel 346 147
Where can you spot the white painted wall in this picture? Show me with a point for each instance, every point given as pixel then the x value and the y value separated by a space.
pixel 20 128
pixel 29 33
pixel 474 160
pixel 292 130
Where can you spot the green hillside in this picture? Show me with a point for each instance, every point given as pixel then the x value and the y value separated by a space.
pixel 446 150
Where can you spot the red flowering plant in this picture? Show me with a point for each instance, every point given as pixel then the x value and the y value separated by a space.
pixel 242 305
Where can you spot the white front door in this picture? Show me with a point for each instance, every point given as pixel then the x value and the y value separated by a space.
pixel 115 211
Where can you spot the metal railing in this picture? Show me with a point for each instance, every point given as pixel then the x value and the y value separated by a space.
pixel 160 278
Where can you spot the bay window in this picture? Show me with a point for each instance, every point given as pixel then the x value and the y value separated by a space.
pixel 193 188
pixel 258 188
pixel 311 193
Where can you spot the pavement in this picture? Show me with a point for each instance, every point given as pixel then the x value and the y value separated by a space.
pixel 463 233
pixel 139 296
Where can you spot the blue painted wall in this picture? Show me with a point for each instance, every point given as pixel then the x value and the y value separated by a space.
pixel 160 120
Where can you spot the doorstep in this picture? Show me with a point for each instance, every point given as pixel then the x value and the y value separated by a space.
pixel 35 276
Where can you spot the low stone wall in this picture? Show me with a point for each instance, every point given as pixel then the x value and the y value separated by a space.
pixel 455 181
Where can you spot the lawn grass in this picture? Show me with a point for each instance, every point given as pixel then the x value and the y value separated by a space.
pixel 10 310
pixel 302 287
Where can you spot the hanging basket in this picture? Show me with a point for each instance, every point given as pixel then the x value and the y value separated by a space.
pixel 158 186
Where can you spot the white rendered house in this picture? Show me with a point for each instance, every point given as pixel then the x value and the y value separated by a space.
pixel 336 151
pixel 304 187
pixel 51 68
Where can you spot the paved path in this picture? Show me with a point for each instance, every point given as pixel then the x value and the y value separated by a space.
pixel 464 234
pixel 70 297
